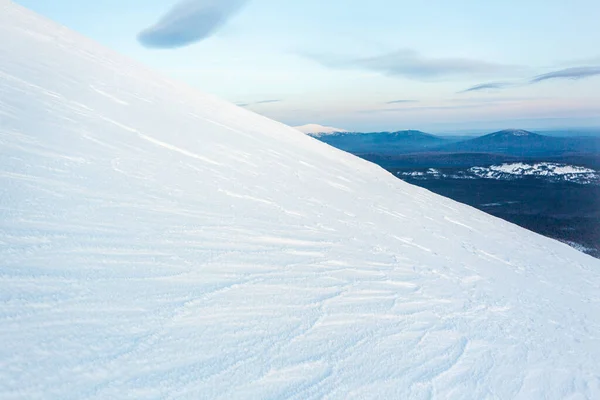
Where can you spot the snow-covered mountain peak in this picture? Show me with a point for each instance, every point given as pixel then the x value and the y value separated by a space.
pixel 317 130
pixel 160 243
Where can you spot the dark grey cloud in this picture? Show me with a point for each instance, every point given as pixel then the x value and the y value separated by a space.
pixel 487 86
pixel 410 64
pixel 189 21
pixel 568 73
pixel 401 101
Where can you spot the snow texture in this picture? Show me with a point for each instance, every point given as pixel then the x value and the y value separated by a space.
pixel 159 243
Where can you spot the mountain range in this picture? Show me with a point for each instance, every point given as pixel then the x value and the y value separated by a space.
pixel 510 142
pixel 521 143
pixel 406 141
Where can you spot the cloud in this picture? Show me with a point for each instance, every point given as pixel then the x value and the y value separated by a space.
pixel 269 101
pixel 568 73
pixel 487 86
pixel 425 108
pixel 410 64
pixel 401 101
pixel 189 21
pixel 494 100
pixel 581 61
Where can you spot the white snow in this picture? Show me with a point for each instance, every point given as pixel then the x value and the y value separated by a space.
pixel 540 169
pixel 553 171
pixel 516 132
pixel 510 171
pixel 159 243
pixel 318 130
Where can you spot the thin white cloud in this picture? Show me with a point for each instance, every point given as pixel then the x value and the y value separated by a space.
pixel 411 64
pixel 402 101
pixel 488 86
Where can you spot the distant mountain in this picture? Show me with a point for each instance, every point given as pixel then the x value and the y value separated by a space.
pixel 518 142
pixel 318 130
pixel 384 142
pixel 509 143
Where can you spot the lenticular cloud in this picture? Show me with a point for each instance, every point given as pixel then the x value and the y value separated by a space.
pixel 188 22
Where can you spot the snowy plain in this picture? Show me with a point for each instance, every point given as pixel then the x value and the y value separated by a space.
pixel 158 243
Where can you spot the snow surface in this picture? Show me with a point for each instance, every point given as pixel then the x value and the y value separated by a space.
pixel 515 132
pixel 551 172
pixel 159 243
pixel 561 172
pixel 318 130
pixel 540 169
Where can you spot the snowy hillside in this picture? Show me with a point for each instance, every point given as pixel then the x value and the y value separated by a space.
pixel 548 171
pixel 318 130
pixel 551 172
pixel 159 243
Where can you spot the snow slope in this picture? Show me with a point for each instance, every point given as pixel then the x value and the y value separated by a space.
pixel 318 130
pixel 158 243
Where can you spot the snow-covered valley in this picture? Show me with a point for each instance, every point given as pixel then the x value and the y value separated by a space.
pixel 550 172
pixel 156 242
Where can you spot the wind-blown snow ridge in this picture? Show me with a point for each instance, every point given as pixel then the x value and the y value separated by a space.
pixel 159 243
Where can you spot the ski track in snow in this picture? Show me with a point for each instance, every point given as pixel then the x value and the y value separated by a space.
pixel 159 243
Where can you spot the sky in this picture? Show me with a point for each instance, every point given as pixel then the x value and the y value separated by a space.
pixel 440 66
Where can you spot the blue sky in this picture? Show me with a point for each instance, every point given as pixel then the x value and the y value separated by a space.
pixel 376 65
